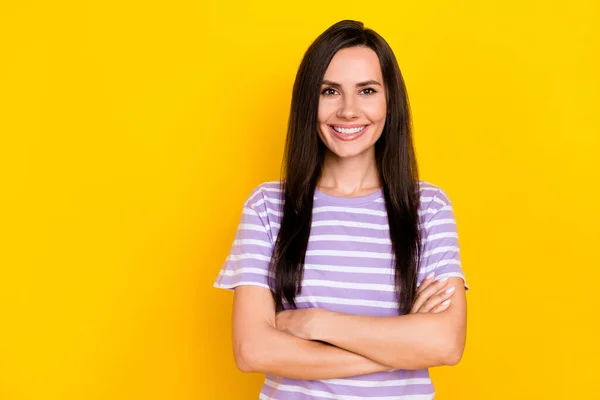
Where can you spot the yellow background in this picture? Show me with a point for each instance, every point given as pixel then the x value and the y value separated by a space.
pixel 131 133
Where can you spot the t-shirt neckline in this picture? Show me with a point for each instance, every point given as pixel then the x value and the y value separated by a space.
pixel 350 201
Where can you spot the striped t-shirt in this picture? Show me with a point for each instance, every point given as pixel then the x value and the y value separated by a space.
pixel 348 269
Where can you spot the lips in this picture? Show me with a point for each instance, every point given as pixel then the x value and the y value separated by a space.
pixel 348 133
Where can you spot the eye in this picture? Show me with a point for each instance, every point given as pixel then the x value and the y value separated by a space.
pixel 369 91
pixel 328 92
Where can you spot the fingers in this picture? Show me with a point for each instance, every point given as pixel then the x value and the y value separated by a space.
pixel 437 300
pixel 426 282
pixel 427 291
pixel 441 307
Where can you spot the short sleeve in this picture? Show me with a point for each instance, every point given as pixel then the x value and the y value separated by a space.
pixel 249 257
pixel 440 246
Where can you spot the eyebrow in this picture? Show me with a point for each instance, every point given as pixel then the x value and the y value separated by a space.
pixel 360 84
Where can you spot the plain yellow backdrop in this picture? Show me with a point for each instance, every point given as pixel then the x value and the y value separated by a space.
pixel 131 133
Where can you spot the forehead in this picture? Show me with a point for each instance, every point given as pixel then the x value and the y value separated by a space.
pixel 354 64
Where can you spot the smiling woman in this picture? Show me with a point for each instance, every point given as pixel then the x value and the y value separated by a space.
pixel 347 273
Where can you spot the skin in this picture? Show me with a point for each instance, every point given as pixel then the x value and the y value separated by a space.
pixel 290 343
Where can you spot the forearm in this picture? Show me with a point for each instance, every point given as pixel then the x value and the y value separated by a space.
pixel 281 354
pixel 412 341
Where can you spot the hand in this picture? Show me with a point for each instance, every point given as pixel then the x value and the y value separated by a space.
pixel 297 322
pixel 432 296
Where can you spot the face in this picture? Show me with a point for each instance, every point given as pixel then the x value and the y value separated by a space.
pixel 352 104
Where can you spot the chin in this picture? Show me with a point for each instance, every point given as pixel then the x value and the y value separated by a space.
pixel 348 153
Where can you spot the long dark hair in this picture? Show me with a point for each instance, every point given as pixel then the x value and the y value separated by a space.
pixel 303 162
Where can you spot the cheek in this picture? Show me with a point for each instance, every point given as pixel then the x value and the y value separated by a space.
pixel 322 118
pixel 325 111
pixel 376 111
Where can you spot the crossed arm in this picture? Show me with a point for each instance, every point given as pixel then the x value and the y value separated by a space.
pixel 258 345
pixel 290 343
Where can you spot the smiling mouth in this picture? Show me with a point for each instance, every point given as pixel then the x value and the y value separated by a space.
pixel 348 131
pixel 348 134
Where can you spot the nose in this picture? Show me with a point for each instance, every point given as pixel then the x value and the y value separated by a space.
pixel 348 108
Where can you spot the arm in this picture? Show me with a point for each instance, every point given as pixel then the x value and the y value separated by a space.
pixel 412 341
pixel 260 347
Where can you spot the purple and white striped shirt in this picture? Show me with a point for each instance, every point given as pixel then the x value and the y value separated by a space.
pixel 347 269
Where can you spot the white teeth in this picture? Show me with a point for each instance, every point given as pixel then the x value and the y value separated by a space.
pixel 348 131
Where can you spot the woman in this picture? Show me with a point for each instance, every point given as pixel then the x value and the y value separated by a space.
pixel 347 275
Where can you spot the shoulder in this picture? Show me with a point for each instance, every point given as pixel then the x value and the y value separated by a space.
pixel 432 196
pixel 266 195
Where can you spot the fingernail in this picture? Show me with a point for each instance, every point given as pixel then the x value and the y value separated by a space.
pixel 443 279
pixel 431 275
pixel 445 303
pixel 450 290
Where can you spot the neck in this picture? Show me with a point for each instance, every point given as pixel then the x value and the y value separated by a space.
pixel 352 176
